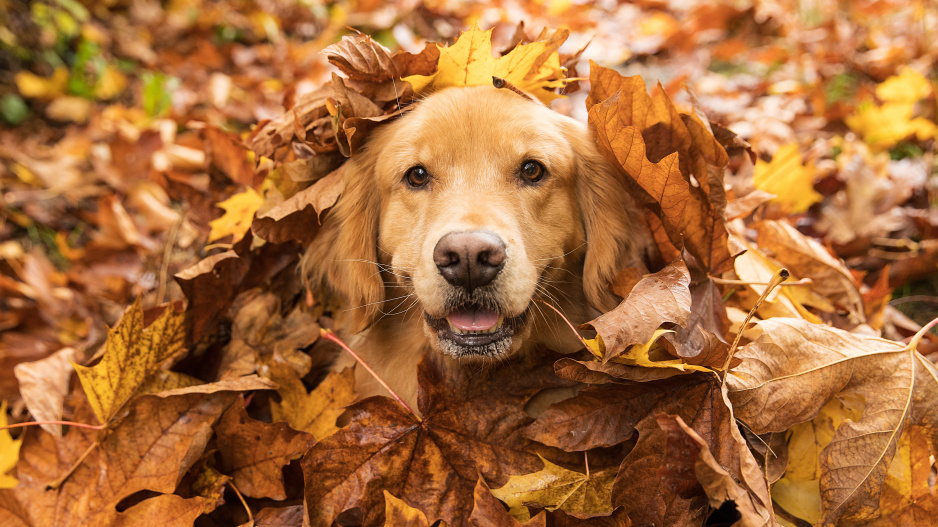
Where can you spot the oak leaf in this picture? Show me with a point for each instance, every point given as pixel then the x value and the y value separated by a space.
pixel 534 68
pixel 132 355
pixel 669 169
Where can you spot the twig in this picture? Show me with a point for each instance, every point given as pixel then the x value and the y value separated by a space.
pixel 780 276
pixel 724 281
pixel 575 332
pixel 329 335
pixel 243 502
pixel 68 423
pixel 55 484
pixel 917 338
pixel 167 253
pixel 501 83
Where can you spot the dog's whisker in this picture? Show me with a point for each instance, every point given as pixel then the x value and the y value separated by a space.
pixel 564 255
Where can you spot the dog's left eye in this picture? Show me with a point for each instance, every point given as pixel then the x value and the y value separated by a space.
pixel 532 171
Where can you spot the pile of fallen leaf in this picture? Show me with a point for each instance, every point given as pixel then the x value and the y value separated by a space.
pixel 208 400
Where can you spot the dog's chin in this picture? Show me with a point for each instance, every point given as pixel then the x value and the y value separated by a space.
pixel 458 339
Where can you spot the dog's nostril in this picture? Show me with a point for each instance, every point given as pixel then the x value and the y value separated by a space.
pixel 470 259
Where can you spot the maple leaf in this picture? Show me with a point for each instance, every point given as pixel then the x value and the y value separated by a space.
pixel 534 68
pixel 907 497
pixel 666 156
pixel 314 412
pixel 397 512
pixel 239 213
pixel 254 453
pixel 150 452
pixel 882 126
pixel 472 425
pixel 554 487
pixel 790 372
pixel 790 181
pixel 132 355
pixel 9 451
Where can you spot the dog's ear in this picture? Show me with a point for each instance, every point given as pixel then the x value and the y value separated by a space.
pixel 614 234
pixel 343 257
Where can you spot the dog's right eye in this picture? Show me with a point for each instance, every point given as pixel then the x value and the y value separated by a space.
pixel 417 176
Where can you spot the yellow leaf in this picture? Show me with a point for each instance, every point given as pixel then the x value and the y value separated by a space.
pixel 647 355
pixel 133 355
pixel 555 487
pixel 534 68
pixel 798 492
pixel 111 84
pixel 884 126
pixel 790 181
pixel 239 213
pixel 9 452
pixel 36 87
pixel 909 86
pixel 314 412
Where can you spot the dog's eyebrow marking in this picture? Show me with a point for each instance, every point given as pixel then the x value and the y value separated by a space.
pixel 500 83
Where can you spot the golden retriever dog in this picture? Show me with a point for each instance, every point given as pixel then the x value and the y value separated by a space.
pixel 455 219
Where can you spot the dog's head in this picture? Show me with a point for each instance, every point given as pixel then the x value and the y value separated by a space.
pixel 466 210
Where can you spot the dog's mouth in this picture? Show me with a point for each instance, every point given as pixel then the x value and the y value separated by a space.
pixel 475 331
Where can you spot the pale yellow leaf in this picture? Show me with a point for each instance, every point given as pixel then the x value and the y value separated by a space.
pixel 555 487
pixel 9 452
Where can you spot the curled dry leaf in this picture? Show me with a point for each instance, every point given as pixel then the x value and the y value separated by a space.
pixel 795 368
pixel 655 299
pixel 297 218
pixel 807 258
pixel 716 482
pixel 44 385
pixel 254 453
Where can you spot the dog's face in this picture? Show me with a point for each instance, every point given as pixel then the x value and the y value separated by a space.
pixel 470 208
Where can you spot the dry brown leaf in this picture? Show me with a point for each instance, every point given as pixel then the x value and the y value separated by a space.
pixel 254 453
pixel 796 367
pixel 472 425
pixel 44 385
pixel 397 512
pixel 656 299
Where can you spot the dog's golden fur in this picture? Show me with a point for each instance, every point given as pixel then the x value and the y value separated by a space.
pixel 565 235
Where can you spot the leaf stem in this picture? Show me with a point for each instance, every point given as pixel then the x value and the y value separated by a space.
pixel 243 502
pixel 780 276
pixel 329 335
pixel 565 319
pixel 917 338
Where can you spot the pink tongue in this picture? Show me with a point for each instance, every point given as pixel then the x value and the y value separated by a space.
pixel 473 319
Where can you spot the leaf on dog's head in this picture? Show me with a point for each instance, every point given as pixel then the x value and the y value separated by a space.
pixel 673 163
pixel 534 68
pixel 471 425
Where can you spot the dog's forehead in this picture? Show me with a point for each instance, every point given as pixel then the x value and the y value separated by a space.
pixel 481 117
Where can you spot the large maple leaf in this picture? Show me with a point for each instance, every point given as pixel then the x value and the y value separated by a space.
pixel 472 425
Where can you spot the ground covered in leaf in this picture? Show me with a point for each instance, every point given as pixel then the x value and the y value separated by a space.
pixel 164 164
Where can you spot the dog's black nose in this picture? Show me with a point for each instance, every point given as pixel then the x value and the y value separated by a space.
pixel 470 259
